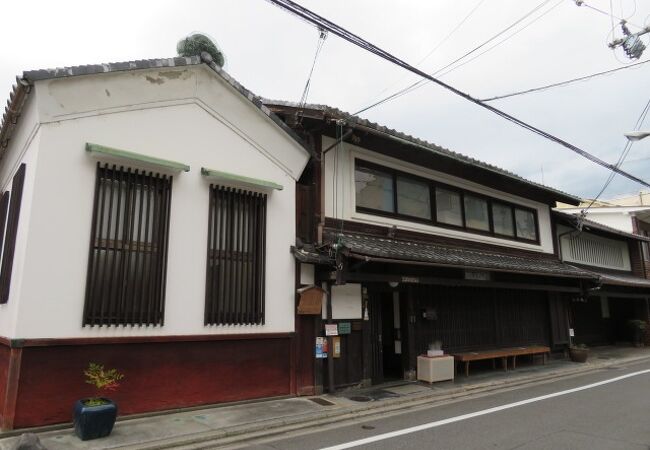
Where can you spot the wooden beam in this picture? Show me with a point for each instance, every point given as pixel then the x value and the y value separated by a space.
pixel 415 280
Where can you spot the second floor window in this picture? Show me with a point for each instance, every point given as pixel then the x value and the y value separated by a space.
pixel 392 193
pixel 128 249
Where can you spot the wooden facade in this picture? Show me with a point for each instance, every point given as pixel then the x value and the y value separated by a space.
pixel 425 303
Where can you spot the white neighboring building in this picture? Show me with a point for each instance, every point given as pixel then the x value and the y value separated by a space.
pixel 626 217
pixel 153 236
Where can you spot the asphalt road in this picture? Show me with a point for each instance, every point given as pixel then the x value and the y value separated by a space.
pixel 611 415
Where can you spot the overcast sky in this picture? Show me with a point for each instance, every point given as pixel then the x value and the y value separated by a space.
pixel 270 52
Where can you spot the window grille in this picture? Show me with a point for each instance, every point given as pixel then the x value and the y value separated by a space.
pixel 127 264
pixel 597 252
pixel 11 222
pixel 236 257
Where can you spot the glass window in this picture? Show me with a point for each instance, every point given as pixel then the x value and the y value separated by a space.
pixel 374 189
pixel 525 221
pixel 502 219
pixel 448 208
pixel 476 213
pixel 413 198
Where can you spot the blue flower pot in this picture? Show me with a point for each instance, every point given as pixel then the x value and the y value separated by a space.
pixel 92 422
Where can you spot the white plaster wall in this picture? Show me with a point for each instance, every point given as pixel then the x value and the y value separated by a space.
pixel 22 148
pixel 340 197
pixel 193 132
pixel 621 220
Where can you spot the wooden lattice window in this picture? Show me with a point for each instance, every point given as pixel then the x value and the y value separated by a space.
pixel 236 253
pixel 127 264
pixel 9 229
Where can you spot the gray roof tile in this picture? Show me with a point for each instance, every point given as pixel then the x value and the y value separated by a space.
pixel 352 119
pixel 31 76
pixel 412 251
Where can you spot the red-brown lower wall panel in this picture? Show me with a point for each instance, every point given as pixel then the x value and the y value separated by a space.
pixel 4 370
pixel 158 376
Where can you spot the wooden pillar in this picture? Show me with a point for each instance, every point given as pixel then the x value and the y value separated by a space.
pixel 411 332
pixel 11 389
pixel 330 344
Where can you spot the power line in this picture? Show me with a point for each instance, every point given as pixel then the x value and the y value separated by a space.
pixel 317 20
pixel 419 83
pixel 440 75
pixel 605 13
pixel 322 35
pixel 445 39
pixel 621 159
pixel 503 40
pixel 563 83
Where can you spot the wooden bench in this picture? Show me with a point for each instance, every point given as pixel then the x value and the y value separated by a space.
pixel 500 353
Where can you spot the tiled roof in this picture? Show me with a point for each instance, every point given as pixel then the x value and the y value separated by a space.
pixel 356 120
pixel 622 279
pixel 310 256
pixel 411 251
pixel 22 87
pixel 587 224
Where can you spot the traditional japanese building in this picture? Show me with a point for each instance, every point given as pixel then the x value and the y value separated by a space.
pixel 146 218
pixel 619 259
pixel 416 246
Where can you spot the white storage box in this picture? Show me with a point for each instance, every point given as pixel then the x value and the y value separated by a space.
pixel 437 368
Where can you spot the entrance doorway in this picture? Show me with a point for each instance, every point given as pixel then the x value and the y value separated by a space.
pixel 622 310
pixel 387 336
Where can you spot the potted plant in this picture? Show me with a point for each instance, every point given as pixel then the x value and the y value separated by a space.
pixel 578 353
pixel 94 417
pixel 638 331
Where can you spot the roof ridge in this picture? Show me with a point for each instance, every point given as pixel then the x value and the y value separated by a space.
pixel 415 140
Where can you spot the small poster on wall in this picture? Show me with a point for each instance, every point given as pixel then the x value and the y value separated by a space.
pixel 321 347
pixel 331 329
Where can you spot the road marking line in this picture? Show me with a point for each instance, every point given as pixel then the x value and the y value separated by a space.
pixel 438 423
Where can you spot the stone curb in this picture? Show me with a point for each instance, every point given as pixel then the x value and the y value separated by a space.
pixel 270 427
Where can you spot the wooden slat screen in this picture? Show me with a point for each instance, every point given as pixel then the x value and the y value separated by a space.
pixel 127 264
pixel 11 232
pixel 4 207
pixel 235 278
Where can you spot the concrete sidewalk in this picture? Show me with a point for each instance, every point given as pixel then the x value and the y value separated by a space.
pixel 209 427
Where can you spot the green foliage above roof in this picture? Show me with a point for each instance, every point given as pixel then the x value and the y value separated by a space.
pixel 196 43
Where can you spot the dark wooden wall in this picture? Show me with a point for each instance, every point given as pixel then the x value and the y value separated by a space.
pixel 306 342
pixel 158 376
pixel 348 369
pixel 471 319
pixel 588 323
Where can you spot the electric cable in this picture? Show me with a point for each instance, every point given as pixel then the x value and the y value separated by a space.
pixel 503 40
pixel 621 159
pixel 317 20
pixel 322 35
pixel 605 13
pixel 563 83
pixel 445 39
pixel 419 83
